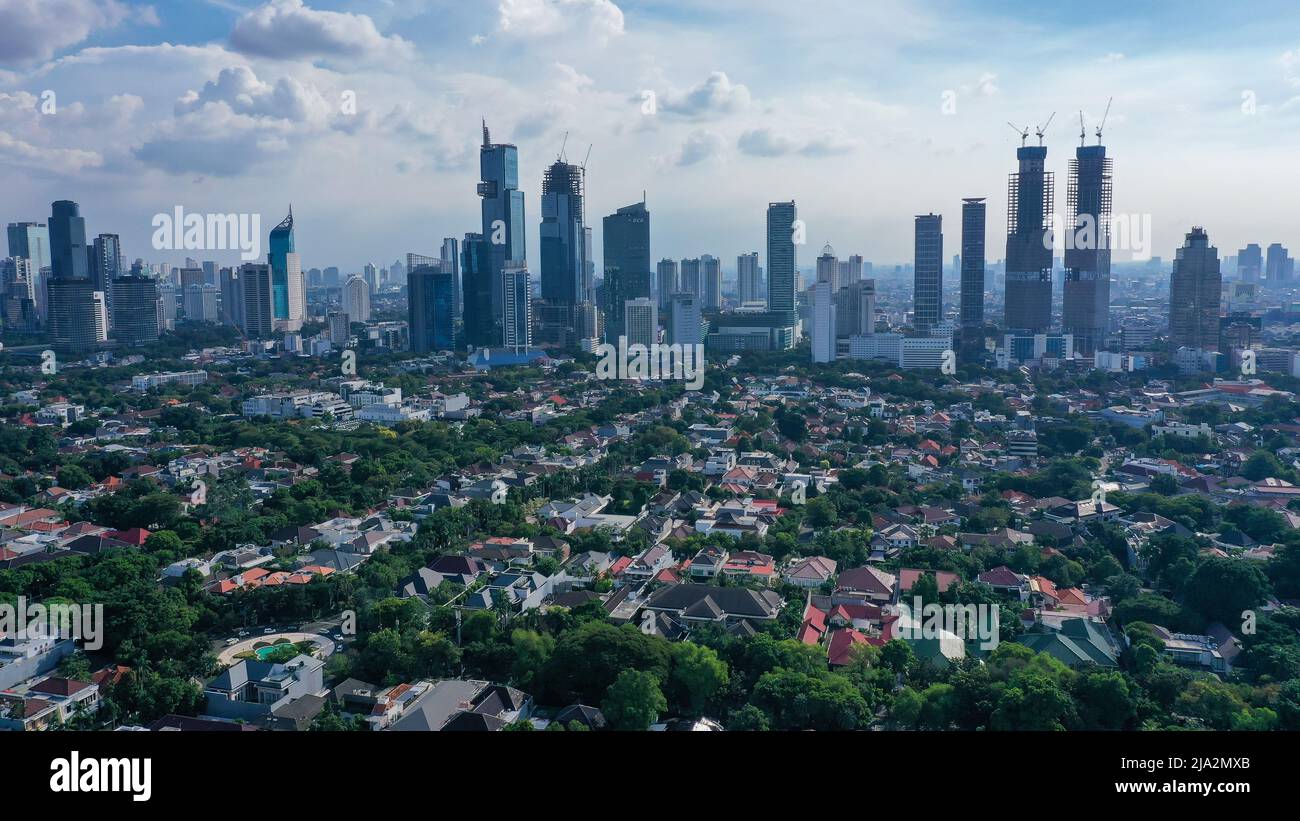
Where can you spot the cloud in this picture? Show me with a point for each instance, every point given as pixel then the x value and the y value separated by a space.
pixel 14 151
pixel 700 146
pixel 244 93
pixel 713 97
pixel 764 142
pixel 600 20
pixel 34 30
pixel 289 30
pixel 214 139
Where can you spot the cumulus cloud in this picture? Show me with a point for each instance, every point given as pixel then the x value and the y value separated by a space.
pixel 214 139
pixel 764 142
pixel 244 93
pixel 599 20
pixel 700 146
pixel 290 30
pixel 34 30
pixel 713 97
pixel 14 151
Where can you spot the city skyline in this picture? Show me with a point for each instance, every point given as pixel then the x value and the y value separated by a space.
pixel 213 108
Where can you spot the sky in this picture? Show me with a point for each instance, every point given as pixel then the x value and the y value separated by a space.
pixel 365 115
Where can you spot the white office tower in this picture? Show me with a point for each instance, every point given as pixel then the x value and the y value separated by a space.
pixel 684 320
pixel 371 277
pixel 641 319
pixel 356 299
pixel 823 322
pixel 200 303
pixel 828 268
pixel 296 292
pixel 517 319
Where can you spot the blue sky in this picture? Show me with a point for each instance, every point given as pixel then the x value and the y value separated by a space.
pixel 235 106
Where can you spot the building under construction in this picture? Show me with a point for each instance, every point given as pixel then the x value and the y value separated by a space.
pixel 1029 242
pixel 1086 307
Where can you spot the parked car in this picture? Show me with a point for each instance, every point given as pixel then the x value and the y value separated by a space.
pixel 231 642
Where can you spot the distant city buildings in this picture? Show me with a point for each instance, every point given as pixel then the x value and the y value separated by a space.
pixel 1194 294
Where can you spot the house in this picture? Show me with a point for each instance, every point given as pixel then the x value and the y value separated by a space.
pixel 1199 650
pixel 462 705
pixel 1004 580
pixel 908 577
pixel 899 536
pixel 708 562
pixel 1078 641
pixel 864 584
pixel 700 603
pixel 252 690
pixel 813 571
pixel 749 564
pixel 47 702
pixel 649 563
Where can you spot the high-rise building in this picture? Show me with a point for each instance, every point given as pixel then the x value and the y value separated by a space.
pixel 1086 305
pixel 502 226
pixel 927 272
pixel 168 304
pixel 855 309
pixel 200 302
pixel 690 278
pixel 684 320
pixel 627 243
pixel 828 268
pixel 621 286
pixel 972 277
pixel 666 281
pixel 1279 266
pixel 356 299
pixel 642 320
pixel 517 319
pixel 749 278
pixel 782 260
pixel 711 281
pixel 450 256
pixel 259 311
pixel 69 258
pixel 287 292
pixel 431 304
pixel 340 328
pixel 563 236
pixel 478 287
pixel 1194 294
pixel 78 315
pixel 18 300
pixel 1029 243
pixel 823 318
pixel 232 298
pixel 31 241
pixel 105 260
pixel 1250 264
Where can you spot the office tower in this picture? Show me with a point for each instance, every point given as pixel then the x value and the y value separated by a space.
pixel 828 268
pixel 684 320
pixel 1279 266
pixel 1029 243
pixel 586 325
pixel 105 260
pixel 482 325
pixel 431 304
pixel 259 309
pixel 642 320
pixel 823 318
pixel 627 245
pixel 135 310
pixel 78 316
pixel 18 303
pixel 288 299
pixel 68 254
pixel 356 299
pixel 749 278
pixel 232 298
pixel 1086 304
pixel 972 278
pixel 168 309
pixel 927 273
pixel 711 281
pixel 340 328
pixel 666 281
pixel 782 260
pixel 855 309
pixel 31 241
pixel 619 288
pixel 565 273
pixel 851 270
pixel 190 277
pixel 1194 293
pixel 450 256
pixel 1250 264
pixel 502 223
pixel 200 302
pixel 370 275
pixel 210 273
pixel 517 319
pixel 331 277
pixel 690 279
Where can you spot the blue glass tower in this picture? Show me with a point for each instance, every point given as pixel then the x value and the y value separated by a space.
pixel 503 220
pixel 281 246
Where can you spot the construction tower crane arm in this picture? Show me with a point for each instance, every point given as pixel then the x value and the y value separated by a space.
pixel 1103 120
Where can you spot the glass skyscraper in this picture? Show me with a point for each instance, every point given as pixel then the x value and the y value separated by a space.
pixel 503 226
pixel 278 257
pixel 927 276
pixel 972 277
pixel 782 261
pixel 563 237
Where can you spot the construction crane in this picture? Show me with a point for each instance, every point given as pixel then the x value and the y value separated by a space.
pixel 1083 130
pixel 1042 129
pixel 1103 120
pixel 1024 133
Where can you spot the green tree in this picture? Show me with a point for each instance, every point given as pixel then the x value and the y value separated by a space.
pixel 634 701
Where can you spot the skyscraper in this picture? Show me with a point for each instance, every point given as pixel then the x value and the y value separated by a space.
pixel 620 287
pixel 823 319
pixel 517 321
pixel 77 313
pixel 627 243
pixel 1194 294
pixel 106 260
pixel 356 299
pixel 287 296
pixel 642 322
pixel 711 274
pixel 259 310
pixel 855 309
pixel 1086 305
pixel 502 232
pixel 68 255
pixel 666 281
pixel 828 268
pixel 1029 243
pixel 450 256
pixel 972 277
pixel 1279 266
pixel 684 320
pixel 782 260
pixel 690 278
pixel 563 236
pixel 1250 264
pixel 749 278
pixel 478 287
pixel 31 241
pixel 431 304
pixel 232 297
pixel 927 277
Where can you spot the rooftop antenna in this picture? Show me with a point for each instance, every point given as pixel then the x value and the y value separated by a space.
pixel 1103 120
pixel 1024 133
pixel 1083 131
pixel 1042 129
